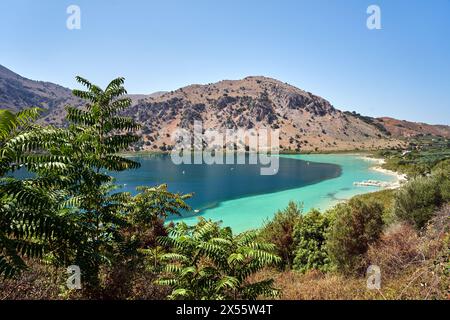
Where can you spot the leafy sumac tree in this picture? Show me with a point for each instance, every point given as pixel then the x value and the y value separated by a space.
pixel 97 134
pixel 209 262
pixel 67 208
pixel 30 207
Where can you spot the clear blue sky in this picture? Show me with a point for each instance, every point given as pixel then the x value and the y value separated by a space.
pixel 321 46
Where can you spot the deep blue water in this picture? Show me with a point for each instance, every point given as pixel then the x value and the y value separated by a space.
pixel 212 184
pixel 241 198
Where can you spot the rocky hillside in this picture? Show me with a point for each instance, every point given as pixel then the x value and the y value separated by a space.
pixel 306 121
pixel 17 92
pixel 406 129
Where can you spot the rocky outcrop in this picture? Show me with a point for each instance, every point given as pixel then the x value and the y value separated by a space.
pixel 306 121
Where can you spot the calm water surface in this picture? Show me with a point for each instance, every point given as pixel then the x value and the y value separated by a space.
pixel 241 198
pixel 213 184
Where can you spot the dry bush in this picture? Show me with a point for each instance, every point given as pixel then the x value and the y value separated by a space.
pixel 436 247
pixel 437 230
pixel 144 288
pixel 415 265
pixel 429 279
pixel 413 284
pixel 397 249
pixel 40 282
pixel 132 281
pixel 315 285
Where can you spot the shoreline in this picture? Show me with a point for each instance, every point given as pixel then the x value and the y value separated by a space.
pixel 378 166
pixel 284 152
pixel 322 196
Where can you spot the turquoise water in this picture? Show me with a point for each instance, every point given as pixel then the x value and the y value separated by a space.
pixel 241 198
pixel 250 212
pixel 215 184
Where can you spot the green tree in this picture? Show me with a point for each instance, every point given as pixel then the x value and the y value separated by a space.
pixel 310 238
pixel 134 251
pixel 29 207
pixel 149 209
pixel 417 201
pixel 356 225
pixel 280 232
pixel 156 202
pixel 209 262
pixel 97 133
pixel 11 124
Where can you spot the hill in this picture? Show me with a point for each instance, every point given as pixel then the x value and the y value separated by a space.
pixel 407 129
pixel 306 121
pixel 17 92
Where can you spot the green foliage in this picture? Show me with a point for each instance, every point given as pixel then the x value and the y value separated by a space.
pixel 443 166
pixel 96 134
pixel 384 198
pixel 280 232
pixel 356 225
pixel 417 201
pixel 11 124
pixel 421 156
pixel 67 210
pixel 147 211
pixel 157 202
pixel 154 257
pixel 310 238
pixel 29 207
pixel 99 132
pixel 209 262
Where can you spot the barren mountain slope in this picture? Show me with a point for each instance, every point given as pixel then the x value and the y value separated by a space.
pixel 402 128
pixel 306 121
pixel 17 92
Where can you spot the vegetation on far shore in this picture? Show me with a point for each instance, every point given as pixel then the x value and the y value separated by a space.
pixel 422 155
pixel 68 213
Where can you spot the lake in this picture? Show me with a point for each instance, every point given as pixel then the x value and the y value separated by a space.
pixel 243 199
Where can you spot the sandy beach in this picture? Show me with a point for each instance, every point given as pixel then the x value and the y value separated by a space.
pixel 377 166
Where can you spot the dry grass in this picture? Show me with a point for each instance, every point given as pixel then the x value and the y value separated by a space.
pixel 43 282
pixel 315 285
pixel 37 283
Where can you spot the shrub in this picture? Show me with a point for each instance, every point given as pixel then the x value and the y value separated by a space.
pixel 310 237
pixel 38 282
pixel 420 197
pixel 357 224
pixel 385 198
pixel 209 262
pixel 443 165
pixel 280 232
pixel 397 249
pixel 316 285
